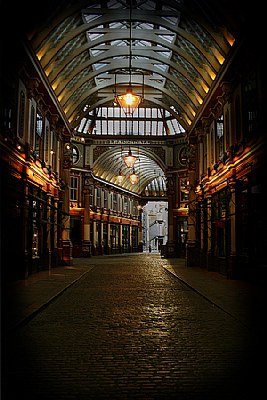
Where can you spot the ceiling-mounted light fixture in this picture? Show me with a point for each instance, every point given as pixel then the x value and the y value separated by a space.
pixel 120 177
pixel 133 177
pixel 129 159
pixel 129 101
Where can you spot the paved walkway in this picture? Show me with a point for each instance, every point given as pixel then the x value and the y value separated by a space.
pixel 242 300
pixel 133 327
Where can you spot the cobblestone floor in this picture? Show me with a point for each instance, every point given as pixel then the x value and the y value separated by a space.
pixel 128 329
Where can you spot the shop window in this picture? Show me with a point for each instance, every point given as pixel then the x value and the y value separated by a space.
pixel 75 230
pixel 126 238
pixel 114 238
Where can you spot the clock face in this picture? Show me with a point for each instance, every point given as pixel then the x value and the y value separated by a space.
pixel 182 157
pixel 75 155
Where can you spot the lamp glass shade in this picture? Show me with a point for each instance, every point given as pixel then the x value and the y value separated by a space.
pixel 120 177
pixel 133 178
pixel 129 101
pixel 129 160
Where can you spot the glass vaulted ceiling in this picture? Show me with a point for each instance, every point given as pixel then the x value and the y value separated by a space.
pixel 178 45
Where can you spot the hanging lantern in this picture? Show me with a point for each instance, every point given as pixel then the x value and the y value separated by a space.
pixel 133 178
pixel 128 101
pixel 129 160
pixel 120 177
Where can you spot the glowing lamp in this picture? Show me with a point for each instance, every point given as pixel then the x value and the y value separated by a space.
pixel 133 178
pixel 129 160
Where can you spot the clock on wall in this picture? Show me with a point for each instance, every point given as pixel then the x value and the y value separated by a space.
pixel 182 155
pixel 75 154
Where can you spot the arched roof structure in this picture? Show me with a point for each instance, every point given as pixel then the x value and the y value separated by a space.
pixel 179 47
pixel 176 44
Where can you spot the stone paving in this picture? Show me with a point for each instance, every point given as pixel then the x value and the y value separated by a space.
pixel 130 329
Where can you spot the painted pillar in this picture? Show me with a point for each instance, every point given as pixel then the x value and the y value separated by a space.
pixel 25 236
pixel 192 256
pixel 171 245
pixel 49 214
pixel 66 242
pixel 55 255
pixel 86 243
pixel 232 262
pixel 209 223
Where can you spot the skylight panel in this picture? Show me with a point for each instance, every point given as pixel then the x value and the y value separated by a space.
pixel 90 17
pixel 162 67
pixel 118 43
pixel 145 26
pixel 171 20
pixel 117 25
pixel 168 38
pixel 144 43
pixel 94 36
pixel 98 66
pixel 166 54
pixel 97 52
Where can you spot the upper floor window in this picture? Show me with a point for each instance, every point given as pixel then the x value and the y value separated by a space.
pixel 219 138
pixel 73 188
pixel 250 104
pixel 21 114
pixel 115 202
pixel 98 197
pixel 39 134
pixel 105 198
pixel 32 119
